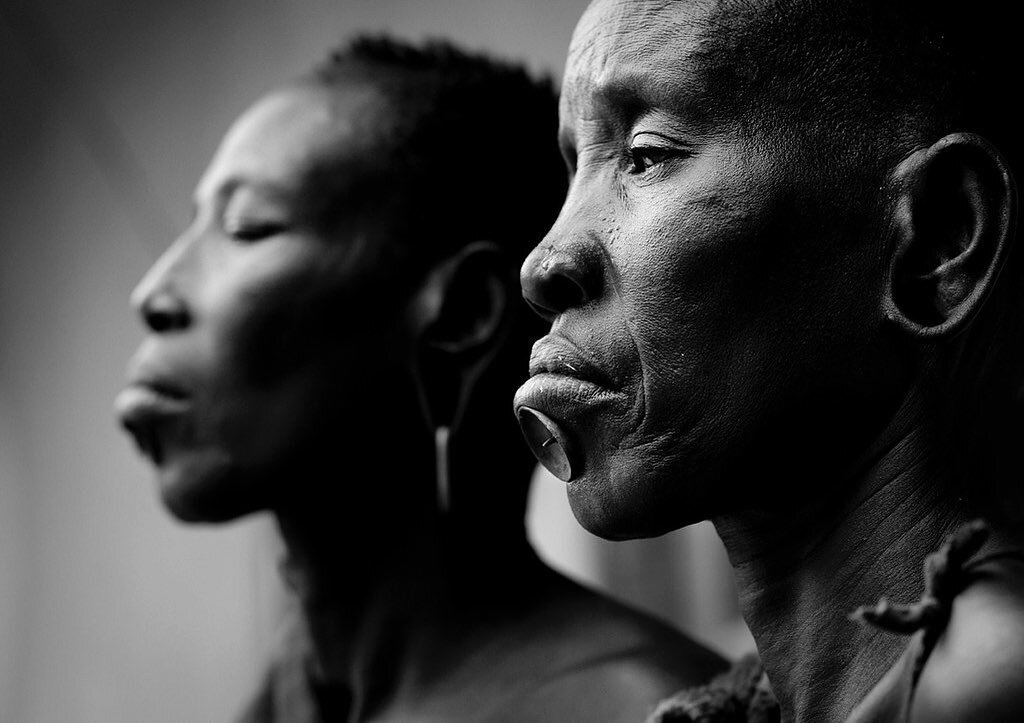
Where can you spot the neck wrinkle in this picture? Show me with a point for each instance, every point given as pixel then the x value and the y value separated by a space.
pixel 801 573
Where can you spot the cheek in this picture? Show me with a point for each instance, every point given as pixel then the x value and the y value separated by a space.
pixel 273 327
pixel 284 342
pixel 765 335
pixel 736 302
pixel 686 295
pixel 291 311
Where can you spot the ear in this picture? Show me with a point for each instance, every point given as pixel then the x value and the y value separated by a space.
pixel 953 224
pixel 460 317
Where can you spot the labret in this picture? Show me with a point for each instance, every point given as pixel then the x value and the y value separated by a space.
pixel 547 443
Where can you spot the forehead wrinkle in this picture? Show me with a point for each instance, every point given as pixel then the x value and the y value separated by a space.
pixel 619 31
pixel 630 55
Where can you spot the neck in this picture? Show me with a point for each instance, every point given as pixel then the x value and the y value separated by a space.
pixel 387 601
pixel 356 600
pixel 802 572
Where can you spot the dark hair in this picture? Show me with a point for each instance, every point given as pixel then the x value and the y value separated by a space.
pixel 468 152
pixel 873 80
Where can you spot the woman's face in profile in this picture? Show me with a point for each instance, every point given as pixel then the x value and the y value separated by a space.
pixel 262 324
pixel 714 296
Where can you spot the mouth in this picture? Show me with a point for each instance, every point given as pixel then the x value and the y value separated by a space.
pixel 564 386
pixel 144 406
pixel 560 358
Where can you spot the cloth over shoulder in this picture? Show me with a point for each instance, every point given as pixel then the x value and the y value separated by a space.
pixel 743 693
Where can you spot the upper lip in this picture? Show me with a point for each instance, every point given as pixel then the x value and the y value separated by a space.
pixel 142 373
pixel 557 355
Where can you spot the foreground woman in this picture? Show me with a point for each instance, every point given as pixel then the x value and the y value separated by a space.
pixel 334 338
pixel 782 298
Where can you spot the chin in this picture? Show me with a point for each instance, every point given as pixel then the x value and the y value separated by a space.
pixel 207 495
pixel 627 499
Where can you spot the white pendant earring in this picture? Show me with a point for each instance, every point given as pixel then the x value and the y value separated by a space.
pixel 441 435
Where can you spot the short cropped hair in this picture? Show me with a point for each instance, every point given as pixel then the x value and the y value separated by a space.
pixel 468 152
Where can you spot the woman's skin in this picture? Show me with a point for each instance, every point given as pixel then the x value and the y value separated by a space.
pixel 284 369
pixel 737 335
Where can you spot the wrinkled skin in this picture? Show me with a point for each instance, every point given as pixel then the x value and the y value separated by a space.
pixel 265 317
pixel 714 285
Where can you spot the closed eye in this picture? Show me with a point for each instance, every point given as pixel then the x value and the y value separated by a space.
pixel 254 230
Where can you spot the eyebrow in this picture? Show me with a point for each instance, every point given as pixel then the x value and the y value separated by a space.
pixel 629 94
pixel 229 187
pixel 256 183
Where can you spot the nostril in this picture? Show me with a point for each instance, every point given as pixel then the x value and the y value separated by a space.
pixel 557 293
pixel 554 281
pixel 564 292
pixel 160 322
pixel 164 313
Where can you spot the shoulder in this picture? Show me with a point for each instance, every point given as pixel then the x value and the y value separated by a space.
pixel 284 693
pixel 603 636
pixel 976 670
pixel 591 658
pixel 628 688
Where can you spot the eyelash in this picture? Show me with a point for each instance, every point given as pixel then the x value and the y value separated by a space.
pixel 254 231
pixel 644 158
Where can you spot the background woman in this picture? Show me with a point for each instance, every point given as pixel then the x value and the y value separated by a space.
pixel 335 338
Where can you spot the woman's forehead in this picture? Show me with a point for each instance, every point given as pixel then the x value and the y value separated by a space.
pixel 710 64
pixel 654 50
pixel 292 133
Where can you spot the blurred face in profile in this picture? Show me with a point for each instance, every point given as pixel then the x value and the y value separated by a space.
pixel 714 304
pixel 272 325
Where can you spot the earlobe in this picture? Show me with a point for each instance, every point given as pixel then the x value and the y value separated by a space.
pixel 952 226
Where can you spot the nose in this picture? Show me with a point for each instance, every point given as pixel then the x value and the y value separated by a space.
pixel 558 277
pixel 158 297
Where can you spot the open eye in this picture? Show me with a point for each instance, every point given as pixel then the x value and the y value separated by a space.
pixel 648 150
pixel 644 158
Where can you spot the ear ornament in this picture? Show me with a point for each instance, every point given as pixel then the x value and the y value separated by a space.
pixel 442 479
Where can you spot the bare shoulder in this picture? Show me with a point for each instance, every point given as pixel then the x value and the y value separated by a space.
pixel 609 636
pixel 627 689
pixel 976 671
pixel 586 657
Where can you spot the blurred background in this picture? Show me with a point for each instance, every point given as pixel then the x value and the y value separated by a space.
pixel 109 111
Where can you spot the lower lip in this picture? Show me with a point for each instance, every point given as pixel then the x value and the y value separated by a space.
pixel 141 403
